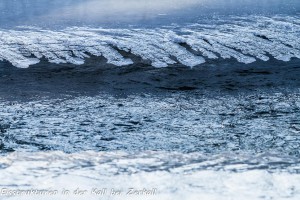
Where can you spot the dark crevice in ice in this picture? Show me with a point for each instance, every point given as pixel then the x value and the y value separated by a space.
pixel 263 37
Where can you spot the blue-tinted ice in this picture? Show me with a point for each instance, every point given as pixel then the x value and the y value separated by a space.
pixel 187 143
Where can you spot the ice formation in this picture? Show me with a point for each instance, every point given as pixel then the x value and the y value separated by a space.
pixel 241 38
pixel 186 176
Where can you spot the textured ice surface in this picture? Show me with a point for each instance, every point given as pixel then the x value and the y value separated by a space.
pixel 173 175
pixel 188 147
pixel 244 38
pixel 255 123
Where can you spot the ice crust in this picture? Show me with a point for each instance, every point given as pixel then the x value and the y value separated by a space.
pixel 245 39
pixel 185 176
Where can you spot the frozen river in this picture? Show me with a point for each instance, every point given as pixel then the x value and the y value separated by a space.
pixel 196 99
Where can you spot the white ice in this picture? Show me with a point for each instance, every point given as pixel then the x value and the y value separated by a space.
pixel 121 171
pixel 244 39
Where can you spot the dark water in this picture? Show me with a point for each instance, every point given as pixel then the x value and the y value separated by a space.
pixel 95 76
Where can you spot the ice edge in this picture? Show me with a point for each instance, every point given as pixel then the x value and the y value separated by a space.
pixel 244 39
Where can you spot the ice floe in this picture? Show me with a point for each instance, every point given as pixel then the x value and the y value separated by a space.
pixel 245 39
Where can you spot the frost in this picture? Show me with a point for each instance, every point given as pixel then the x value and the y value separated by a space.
pixel 244 39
